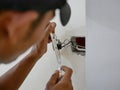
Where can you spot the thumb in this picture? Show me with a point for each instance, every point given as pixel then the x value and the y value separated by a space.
pixel 50 28
pixel 54 78
pixel 40 33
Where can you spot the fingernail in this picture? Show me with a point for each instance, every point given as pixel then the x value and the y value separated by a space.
pixel 53 24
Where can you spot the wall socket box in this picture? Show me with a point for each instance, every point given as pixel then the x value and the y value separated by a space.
pixel 78 45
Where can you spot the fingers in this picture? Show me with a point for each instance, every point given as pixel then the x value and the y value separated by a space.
pixel 68 73
pixel 50 28
pixel 52 31
pixel 41 34
pixel 64 84
pixel 40 47
pixel 54 78
pixel 41 30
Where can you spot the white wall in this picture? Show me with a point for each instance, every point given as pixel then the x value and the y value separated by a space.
pixel 103 45
pixel 42 71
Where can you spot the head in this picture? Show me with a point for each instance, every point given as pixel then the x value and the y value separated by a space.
pixel 21 25
pixel 19 31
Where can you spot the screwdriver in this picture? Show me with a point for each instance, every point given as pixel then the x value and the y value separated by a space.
pixel 57 52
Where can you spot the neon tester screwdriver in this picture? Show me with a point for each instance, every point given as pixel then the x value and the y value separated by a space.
pixel 57 51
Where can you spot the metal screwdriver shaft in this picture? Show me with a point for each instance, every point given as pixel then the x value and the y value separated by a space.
pixel 57 52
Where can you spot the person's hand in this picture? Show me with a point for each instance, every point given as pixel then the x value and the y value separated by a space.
pixel 41 47
pixel 64 84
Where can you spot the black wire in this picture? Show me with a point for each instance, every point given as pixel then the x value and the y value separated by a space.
pixel 66 43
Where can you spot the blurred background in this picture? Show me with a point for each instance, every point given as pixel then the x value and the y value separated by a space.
pixel 103 45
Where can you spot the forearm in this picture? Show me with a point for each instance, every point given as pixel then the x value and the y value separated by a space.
pixel 13 78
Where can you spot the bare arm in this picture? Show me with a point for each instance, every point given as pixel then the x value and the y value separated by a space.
pixel 13 78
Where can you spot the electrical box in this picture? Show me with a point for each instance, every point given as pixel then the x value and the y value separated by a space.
pixel 78 45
